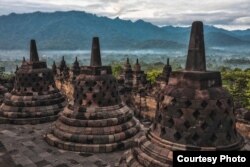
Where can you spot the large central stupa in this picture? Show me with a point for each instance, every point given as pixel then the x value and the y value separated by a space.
pixel 194 113
pixel 96 120
pixel 34 98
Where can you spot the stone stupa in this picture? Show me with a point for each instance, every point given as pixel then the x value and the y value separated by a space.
pixel 127 74
pixel 139 78
pixel 3 90
pixel 194 112
pixel 75 69
pixel 162 79
pixel 96 120
pixel 34 98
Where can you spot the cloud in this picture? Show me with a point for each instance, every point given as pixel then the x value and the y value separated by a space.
pixel 224 13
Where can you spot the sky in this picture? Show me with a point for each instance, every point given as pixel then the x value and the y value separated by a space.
pixel 228 14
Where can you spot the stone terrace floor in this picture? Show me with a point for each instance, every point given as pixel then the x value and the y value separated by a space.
pixel 23 146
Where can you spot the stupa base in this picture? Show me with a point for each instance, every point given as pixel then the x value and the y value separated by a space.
pixel 151 151
pixel 23 121
pixel 53 140
pixel 30 114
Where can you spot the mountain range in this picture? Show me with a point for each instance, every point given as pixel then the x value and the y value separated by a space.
pixel 74 30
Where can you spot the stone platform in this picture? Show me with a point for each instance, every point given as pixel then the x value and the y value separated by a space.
pixel 103 129
pixel 23 146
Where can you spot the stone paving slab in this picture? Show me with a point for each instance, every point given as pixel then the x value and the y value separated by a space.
pixel 23 146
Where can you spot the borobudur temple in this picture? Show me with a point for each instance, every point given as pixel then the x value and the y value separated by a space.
pixel 194 112
pixel 96 120
pixel 34 98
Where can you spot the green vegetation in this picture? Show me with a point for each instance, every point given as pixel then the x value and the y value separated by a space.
pixel 152 74
pixel 116 69
pixel 6 76
pixel 237 81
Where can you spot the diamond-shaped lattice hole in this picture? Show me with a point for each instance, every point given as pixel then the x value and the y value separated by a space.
pixel 80 101
pixel 213 138
pixel 89 103
pixel 212 114
pixel 188 103
pixel 82 109
pixel 162 97
pixel 204 125
pixel 218 103
pixel 165 107
pixel 159 118
pixel 204 104
pixel 231 122
pixel 187 124
pixel 86 83
pixel 178 113
pixel 195 137
pixel 220 125
pixel 196 114
pixel 163 130
pixel 170 123
pixel 228 136
pixel 173 101
pixel 235 131
pixel 177 136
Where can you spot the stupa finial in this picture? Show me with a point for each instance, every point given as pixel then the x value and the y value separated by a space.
pixel 33 51
pixel 95 53
pixel 196 60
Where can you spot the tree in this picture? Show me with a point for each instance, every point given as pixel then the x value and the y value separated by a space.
pixel 238 84
pixel 116 69
pixel 152 74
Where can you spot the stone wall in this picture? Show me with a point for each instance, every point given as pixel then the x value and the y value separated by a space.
pixel 243 128
pixel 148 106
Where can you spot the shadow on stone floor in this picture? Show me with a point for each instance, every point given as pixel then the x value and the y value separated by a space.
pixel 23 145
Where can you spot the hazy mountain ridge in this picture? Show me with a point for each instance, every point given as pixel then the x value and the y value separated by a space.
pixel 74 30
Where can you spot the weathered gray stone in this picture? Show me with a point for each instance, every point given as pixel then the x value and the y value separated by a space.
pixel 96 120
pixel 194 113
pixel 34 98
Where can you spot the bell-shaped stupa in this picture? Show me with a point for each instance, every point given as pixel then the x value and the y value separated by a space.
pixel 194 112
pixel 162 79
pixel 127 74
pixel 96 120
pixel 34 98
pixel 75 69
pixel 3 90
